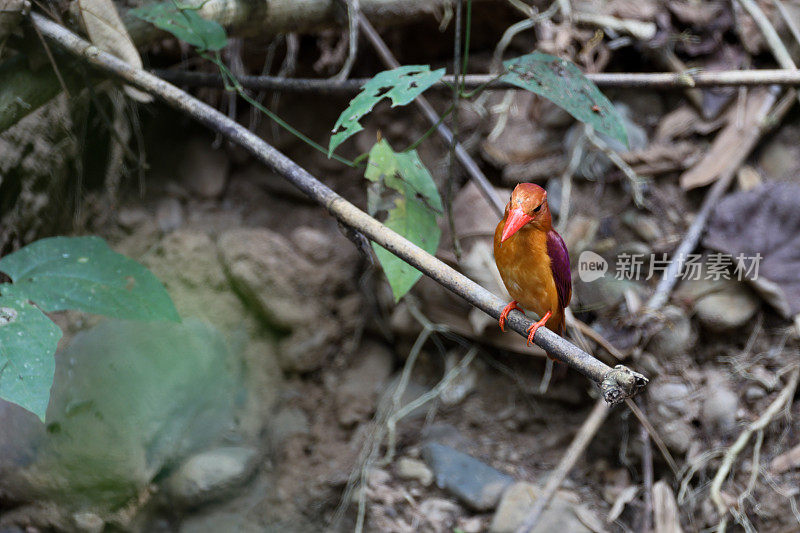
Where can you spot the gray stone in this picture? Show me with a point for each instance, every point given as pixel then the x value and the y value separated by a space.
pixel 414 469
pixel 517 501
pixel 128 398
pixel 644 226
pixel 287 423
pixel 727 309
pixel 202 169
pixel 357 390
pixel 88 522
pixel 475 483
pixel 754 393
pixel 671 399
pixel 675 336
pixel 169 215
pixel 720 404
pixel 210 475
pixel 677 434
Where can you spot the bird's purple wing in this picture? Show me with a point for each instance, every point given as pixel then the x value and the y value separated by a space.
pixel 559 266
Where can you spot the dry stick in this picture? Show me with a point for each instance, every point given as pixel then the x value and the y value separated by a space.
pixel 647 475
pixel 616 383
pixel 656 80
pixel 463 157
pixel 575 450
pixel 762 422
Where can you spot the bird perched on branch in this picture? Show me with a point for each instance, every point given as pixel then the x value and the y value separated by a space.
pixel 533 260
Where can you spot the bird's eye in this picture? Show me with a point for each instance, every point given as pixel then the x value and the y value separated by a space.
pixel 536 210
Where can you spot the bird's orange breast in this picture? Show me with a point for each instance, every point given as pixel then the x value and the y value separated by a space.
pixel 524 265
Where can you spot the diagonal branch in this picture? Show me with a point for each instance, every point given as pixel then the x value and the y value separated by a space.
pixel 615 383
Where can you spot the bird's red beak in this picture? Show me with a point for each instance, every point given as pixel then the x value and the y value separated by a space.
pixel 516 219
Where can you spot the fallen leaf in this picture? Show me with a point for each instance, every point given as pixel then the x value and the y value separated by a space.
pixel 665 510
pixel 764 221
pixel 106 31
pixel 729 141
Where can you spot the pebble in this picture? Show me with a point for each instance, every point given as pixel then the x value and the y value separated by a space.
pixel 727 309
pixel 210 475
pixel 677 435
pixel 754 393
pixel 87 522
pixel 517 502
pixel 414 469
pixel 671 399
pixel 203 170
pixel 720 404
pixel 476 484
pixel 169 215
pixel 675 336
pixel 357 389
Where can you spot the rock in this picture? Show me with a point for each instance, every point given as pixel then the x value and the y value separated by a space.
pixel 215 521
pixel 357 390
pixel 169 215
pixel 720 404
pixel 754 393
pixel 677 435
pixel 203 170
pixel 291 292
pixel 128 398
pixel 475 483
pixel 728 308
pixel 408 468
pixel 463 384
pixel 211 475
pixel 315 244
pixel 439 514
pixel 287 423
pixel 675 336
pixel 671 399
pixel 517 501
pixel 131 217
pixel 88 522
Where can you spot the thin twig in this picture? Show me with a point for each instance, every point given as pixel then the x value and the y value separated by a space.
pixel 647 474
pixel 651 430
pixel 774 42
pixel 616 383
pixel 655 81
pixel 571 456
pixel 762 422
pixel 464 158
pixel 353 9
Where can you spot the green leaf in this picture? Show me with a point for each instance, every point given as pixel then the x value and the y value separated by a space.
pixel 564 84
pixel 414 212
pixel 402 85
pixel 185 24
pixel 28 341
pixel 84 273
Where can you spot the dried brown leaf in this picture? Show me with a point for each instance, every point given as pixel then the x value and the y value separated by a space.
pixel 763 221
pixel 729 141
pixel 105 29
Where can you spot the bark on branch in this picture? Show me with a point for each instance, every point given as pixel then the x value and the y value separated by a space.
pixel 616 383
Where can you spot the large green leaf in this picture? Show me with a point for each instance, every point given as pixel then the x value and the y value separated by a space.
pixel 414 212
pixel 184 23
pixel 28 341
pixel 564 84
pixel 84 273
pixel 402 85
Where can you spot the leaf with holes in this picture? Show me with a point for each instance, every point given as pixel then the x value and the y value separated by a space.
pixel 413 214
pixel 28 341
pixel 401 85
pixel 564 84
pixel 185 24
pixel 84 273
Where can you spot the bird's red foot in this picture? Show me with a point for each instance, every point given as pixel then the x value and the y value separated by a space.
pixel 537 325
pixel 504 315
